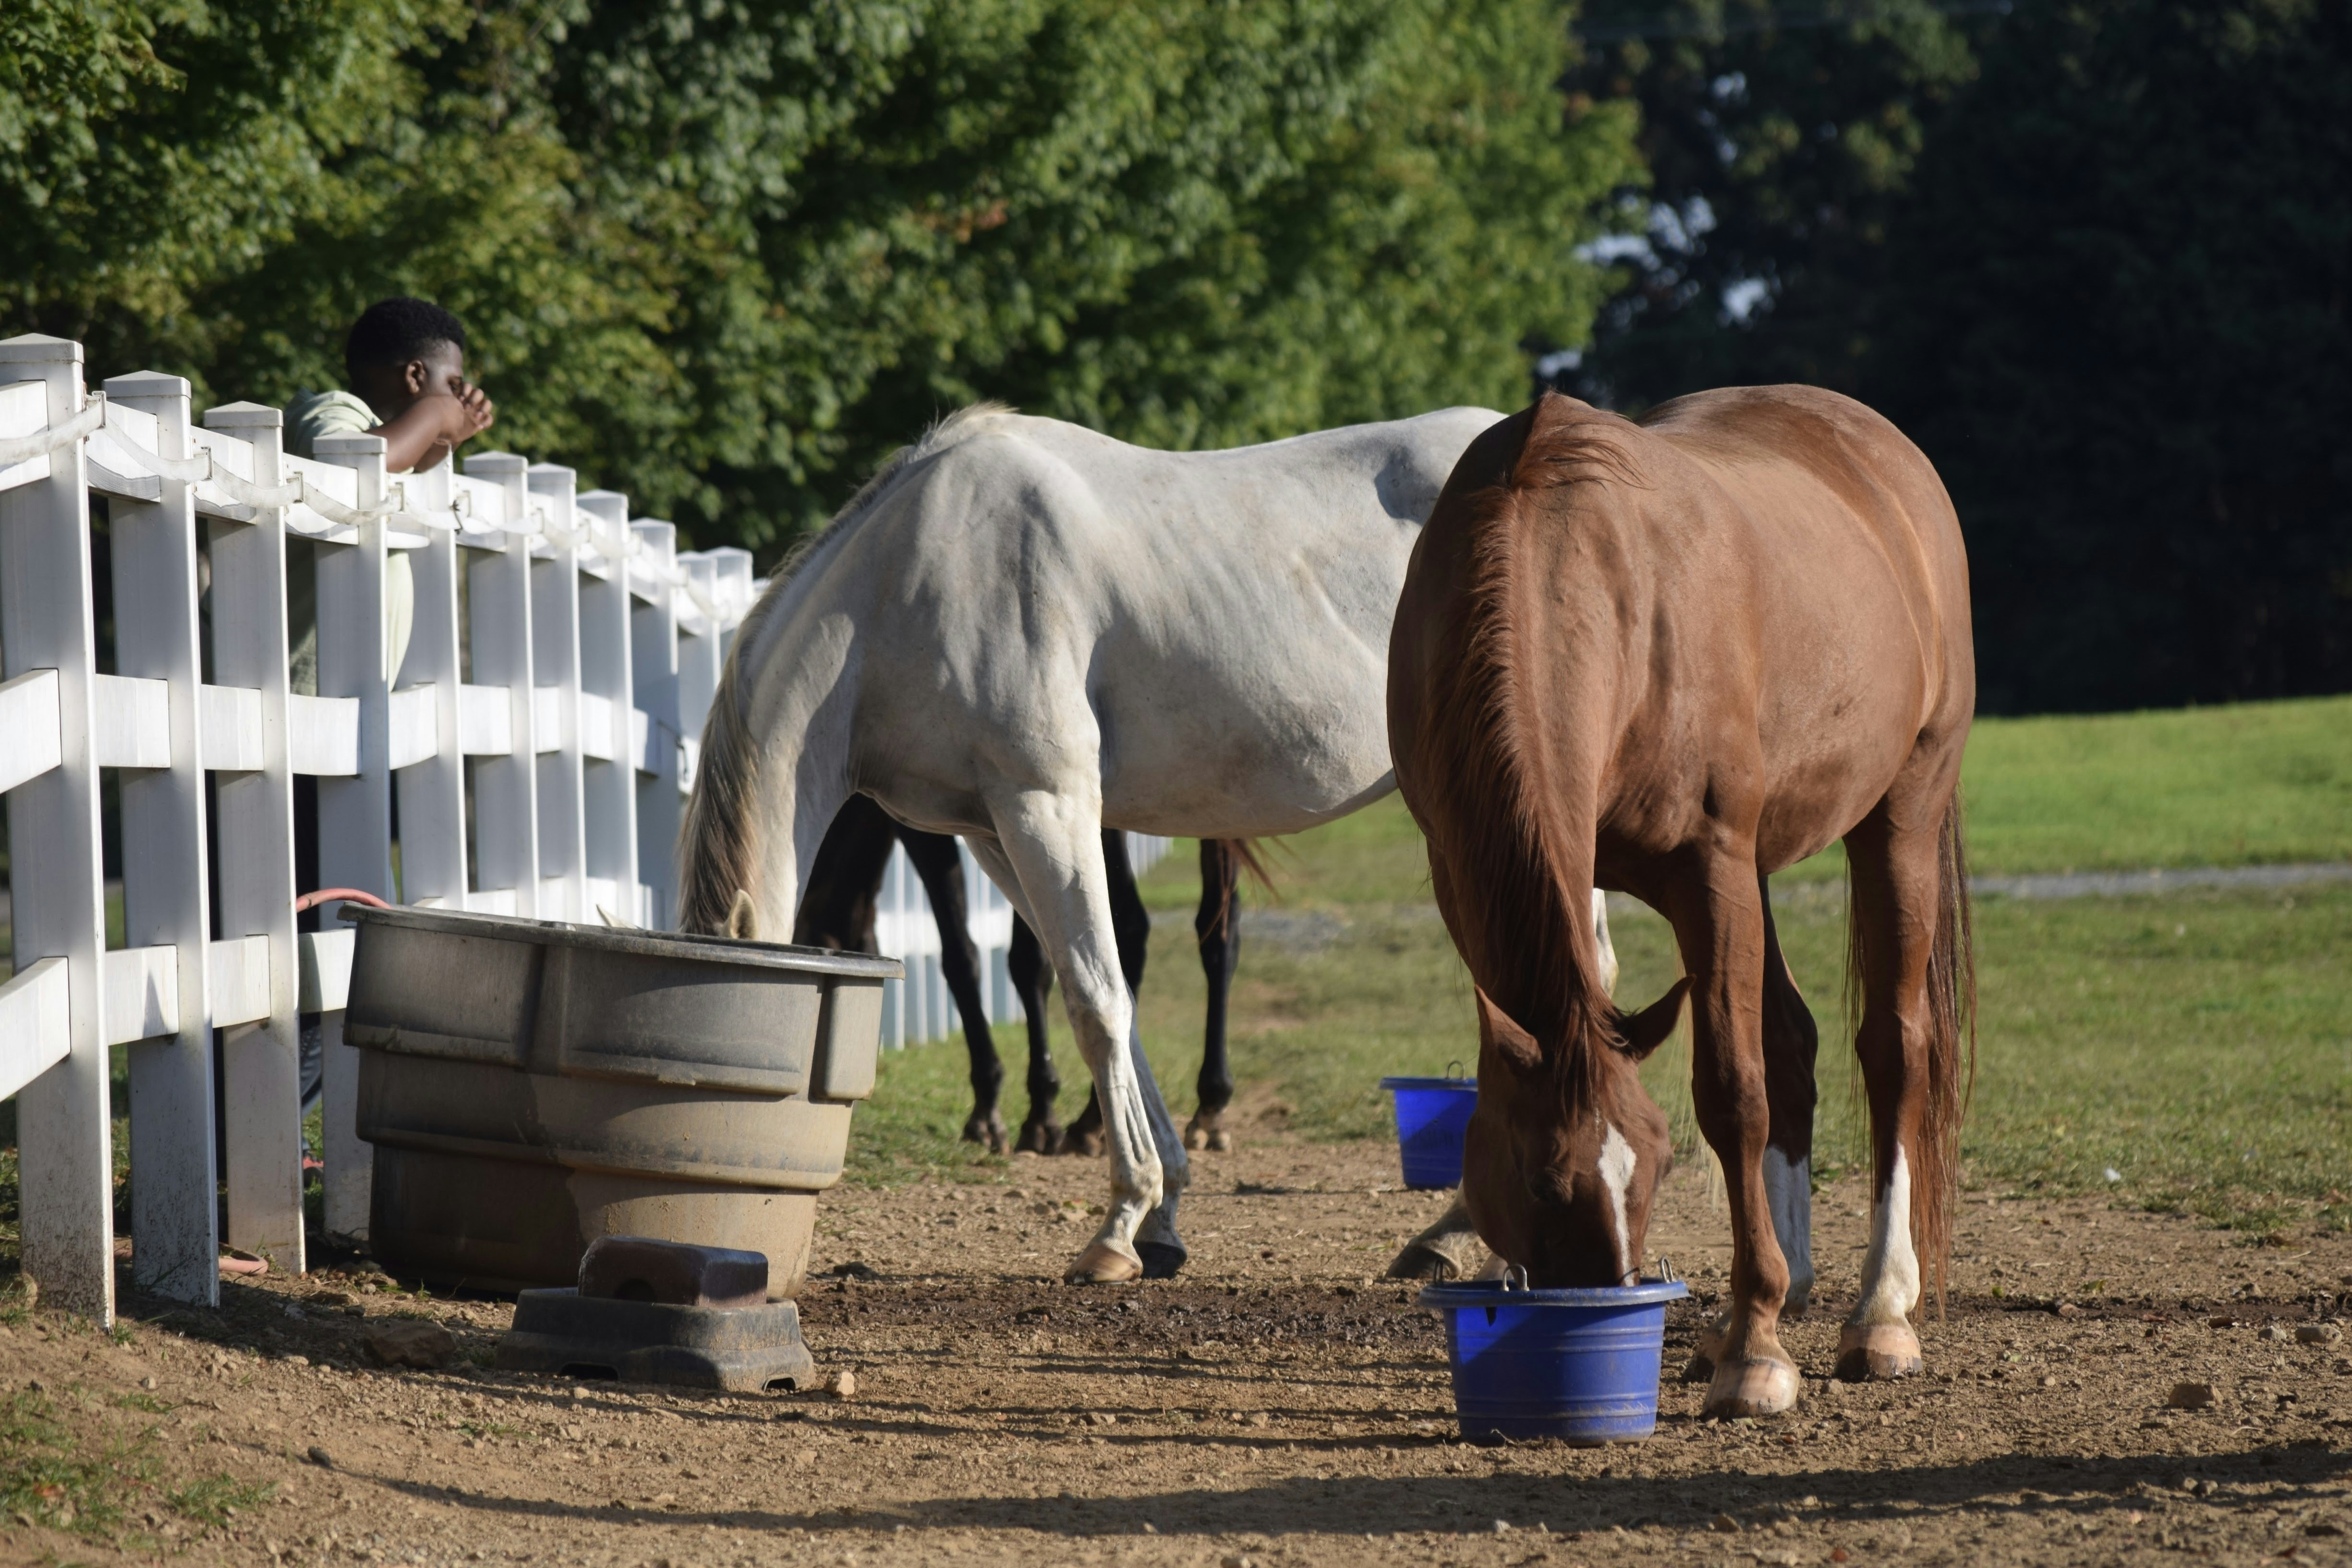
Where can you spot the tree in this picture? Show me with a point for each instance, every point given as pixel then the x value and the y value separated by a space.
pixel 2121 332
pixel 725 256
pixel 1780 138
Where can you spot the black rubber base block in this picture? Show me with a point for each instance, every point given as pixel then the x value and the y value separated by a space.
pixel 739 1350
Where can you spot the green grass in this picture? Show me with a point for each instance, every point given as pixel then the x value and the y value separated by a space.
pixel 91 1481
pixel 2198 1045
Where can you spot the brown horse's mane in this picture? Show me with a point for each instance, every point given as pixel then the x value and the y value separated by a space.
pixel 718 846
pixel 1517 880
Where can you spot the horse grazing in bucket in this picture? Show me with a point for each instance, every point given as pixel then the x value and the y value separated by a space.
pixel 839 911
pixel 1672 658
pixel 1023 632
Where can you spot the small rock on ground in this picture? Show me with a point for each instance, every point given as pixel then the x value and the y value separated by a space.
pixel 405 1342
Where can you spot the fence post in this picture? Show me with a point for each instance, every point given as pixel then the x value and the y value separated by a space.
pixel 608 784
pixel 64 1131
pixel 433 788
pixel 652 654
pixel 253 823
pixel 555 664
pixel 499 631
pixel 354 813
pixel 166 890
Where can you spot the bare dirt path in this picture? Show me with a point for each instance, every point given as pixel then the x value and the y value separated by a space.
pixel 1278 1405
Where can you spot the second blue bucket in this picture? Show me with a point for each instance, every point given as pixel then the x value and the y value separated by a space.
pixel 1580 1365
pixel 1431 1115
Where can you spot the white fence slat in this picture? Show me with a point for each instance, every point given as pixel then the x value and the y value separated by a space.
pixel 608 781
pixel 326 972
pixel 324 735
pixel 24 410
pixel 133 716
pixel 34 1033
pixel 498 635
pixel 167 874
pixel 485 721
pixel 143 995
pixel 555 659
pixel 240 981
pixel 235 736
pixel 252 812
pixel 63 1124
pixel 425 749
pixel 28 726
pixel 412 726
pixel 354 813
pixel 653 655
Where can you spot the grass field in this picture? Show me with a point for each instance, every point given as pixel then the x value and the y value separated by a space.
pixel 2197 1044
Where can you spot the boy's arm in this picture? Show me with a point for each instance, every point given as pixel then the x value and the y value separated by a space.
pixel 433 427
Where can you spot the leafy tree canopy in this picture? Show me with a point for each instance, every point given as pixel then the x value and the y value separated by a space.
pixel 2117 322
pixel 725 256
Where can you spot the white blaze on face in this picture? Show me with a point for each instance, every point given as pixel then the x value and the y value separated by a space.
pixel 1616 1176
pixel 1890 1271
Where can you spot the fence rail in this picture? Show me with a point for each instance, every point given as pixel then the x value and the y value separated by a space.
pixel 536 736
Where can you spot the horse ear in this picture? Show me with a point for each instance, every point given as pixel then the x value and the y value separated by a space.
pixel 1513 1046
pixel 1647 1030
pixel 742 920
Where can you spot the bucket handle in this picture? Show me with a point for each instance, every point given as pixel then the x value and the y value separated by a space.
pixel 1454 1069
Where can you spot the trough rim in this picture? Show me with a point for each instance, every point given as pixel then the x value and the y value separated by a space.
pixel 635 942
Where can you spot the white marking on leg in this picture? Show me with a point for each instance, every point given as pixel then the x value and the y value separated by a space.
pixel 1789 1195
pixel 1601 937
pixel 1616 1175
pixel 1890 1270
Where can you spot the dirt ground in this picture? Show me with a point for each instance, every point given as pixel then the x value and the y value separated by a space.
pixel 1277 1405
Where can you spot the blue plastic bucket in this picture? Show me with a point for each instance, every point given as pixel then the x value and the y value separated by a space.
pixel 1431 1115
pixel 1582 1365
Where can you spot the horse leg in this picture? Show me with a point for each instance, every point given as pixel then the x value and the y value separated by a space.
pixel 1133 923
pixel 934 858
pixel 1894 916
pixel 1720 927
pixel 1218 928
pixel 1791 1044
pixel 1056 850
pixel 1033 981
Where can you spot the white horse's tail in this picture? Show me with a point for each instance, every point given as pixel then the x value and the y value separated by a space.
pixel 718 847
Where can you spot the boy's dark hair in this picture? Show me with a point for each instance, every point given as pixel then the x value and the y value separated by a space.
pixel 393 331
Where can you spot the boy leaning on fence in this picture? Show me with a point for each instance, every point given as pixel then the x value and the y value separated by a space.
pixel 406 361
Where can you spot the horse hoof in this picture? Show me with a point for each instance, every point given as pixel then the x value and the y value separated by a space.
pixel 1878 1353
pixel 1421 1261
pixel 1104 1263
pixel 1080 1143
pixel 1221 1141
pixel 1751 1388
pixel 1040 1137
pixel 987 1131
pixel 1205 1131
pixel 1161 1259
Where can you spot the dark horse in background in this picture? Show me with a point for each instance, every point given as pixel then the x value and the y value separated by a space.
pixel 838 912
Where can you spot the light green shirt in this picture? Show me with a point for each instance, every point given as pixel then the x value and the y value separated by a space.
pixel 317 414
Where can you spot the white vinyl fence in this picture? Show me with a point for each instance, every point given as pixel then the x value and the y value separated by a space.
pixel 538 735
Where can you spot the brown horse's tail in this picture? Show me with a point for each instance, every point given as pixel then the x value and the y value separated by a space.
pixel 1951 1048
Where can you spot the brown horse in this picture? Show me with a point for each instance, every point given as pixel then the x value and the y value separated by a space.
pixel 1672 658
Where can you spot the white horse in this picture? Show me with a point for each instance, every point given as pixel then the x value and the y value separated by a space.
pixel 1022 632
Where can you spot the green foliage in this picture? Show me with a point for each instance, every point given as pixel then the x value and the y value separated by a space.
pixel 1781 148
pixel 2123 338
pixel 726 257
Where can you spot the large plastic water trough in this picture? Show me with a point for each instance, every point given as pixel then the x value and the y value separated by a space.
pixel 530 1086
pixel 1432 1116
pixel 1578 1365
